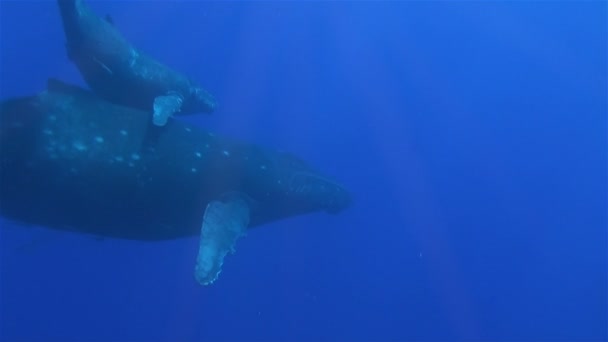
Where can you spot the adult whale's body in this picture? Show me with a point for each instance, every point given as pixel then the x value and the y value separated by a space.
pixel 118 72
pixel 72 161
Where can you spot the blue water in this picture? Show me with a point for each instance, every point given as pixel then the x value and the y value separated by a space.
pixel 471 134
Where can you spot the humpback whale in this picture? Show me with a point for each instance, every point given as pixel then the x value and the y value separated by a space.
pixel 73 161
pixel 118 72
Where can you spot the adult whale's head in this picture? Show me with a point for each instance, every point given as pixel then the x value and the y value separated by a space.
pixel 72 161
pixel 291 187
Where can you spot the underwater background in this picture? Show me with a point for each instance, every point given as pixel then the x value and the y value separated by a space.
pixel 471 134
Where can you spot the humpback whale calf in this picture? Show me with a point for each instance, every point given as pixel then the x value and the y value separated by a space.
pixel 119 73
pixel 73 161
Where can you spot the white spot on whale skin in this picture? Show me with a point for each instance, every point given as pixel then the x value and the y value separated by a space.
pixel 124 133
pixel 188 129
pixel 194 170
pixel 79 146
pixel 134 56
pixel 119 159
pixel 47 132
pixel 53 118
pixel 198 154
pixel 135 156
pixel 263 167
pixel 226 153
pixel 99 139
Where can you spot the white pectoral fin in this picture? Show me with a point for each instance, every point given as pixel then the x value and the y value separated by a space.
pixel 165 106
pixel 223 224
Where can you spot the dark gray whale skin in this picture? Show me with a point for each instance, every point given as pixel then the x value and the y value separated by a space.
pixel 118 72
pixel 72 161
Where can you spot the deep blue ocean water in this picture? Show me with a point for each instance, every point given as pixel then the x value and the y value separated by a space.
pixel 471 134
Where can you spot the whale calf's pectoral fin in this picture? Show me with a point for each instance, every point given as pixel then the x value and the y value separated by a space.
pixel 223 224
pixel 165 106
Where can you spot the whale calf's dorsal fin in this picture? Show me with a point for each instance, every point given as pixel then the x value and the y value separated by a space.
pixel 56 85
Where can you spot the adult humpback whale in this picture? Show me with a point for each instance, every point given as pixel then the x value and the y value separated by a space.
pixel 120 73
pixel 72 161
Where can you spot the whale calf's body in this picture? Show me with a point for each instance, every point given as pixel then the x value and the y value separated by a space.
pixel 118 72
pixel 72 161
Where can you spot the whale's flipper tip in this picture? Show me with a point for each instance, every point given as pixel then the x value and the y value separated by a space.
pixel 223 224
pixel 58 86
pixel 164 107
